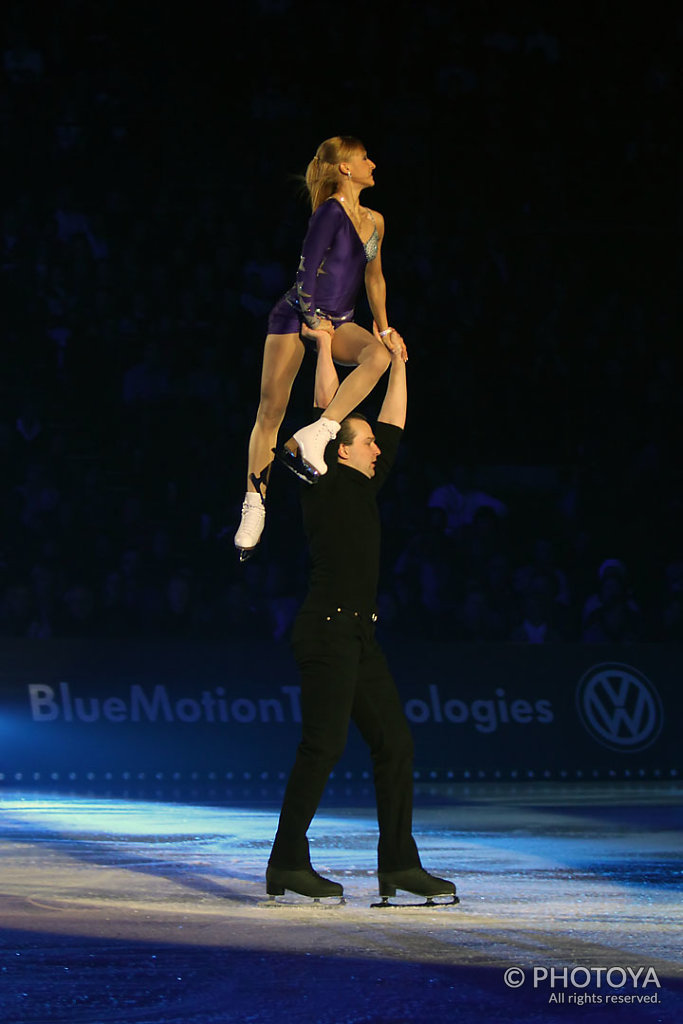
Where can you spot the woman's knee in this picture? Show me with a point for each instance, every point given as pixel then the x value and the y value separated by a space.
pixel 354 346
pixel 281 361
pixel 271 410
pixel 377 355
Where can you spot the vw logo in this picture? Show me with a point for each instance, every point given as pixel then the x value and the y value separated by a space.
pixel 619 707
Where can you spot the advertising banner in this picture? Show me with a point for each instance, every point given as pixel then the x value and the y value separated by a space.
pixel 95 711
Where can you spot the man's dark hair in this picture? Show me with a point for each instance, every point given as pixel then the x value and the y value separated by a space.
pixel 348 431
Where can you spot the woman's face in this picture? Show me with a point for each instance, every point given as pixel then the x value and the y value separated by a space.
pixel 361 167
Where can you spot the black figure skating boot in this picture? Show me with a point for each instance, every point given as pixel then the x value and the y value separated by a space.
pixel 418 882
pixel 303 882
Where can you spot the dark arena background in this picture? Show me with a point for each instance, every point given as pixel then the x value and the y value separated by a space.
pixel 528 166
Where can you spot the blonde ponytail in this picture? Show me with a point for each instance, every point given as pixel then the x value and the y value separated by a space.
pixel 322 172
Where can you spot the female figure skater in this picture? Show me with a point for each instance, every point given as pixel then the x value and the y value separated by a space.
pixel 342 248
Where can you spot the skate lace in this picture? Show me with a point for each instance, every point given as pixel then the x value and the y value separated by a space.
pixel 255 509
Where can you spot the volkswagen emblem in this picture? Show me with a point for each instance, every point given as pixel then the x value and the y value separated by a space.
pixel 619 707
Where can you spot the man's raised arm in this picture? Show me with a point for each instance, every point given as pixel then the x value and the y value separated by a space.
pixel 395 404
pixel 326 379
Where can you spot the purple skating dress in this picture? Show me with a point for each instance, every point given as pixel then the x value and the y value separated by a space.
pixel 331 271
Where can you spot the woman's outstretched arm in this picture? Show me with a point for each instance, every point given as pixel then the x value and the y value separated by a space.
pixel 375 285
pixel 376 289
pixel 322 228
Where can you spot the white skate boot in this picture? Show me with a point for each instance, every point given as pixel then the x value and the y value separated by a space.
pixel 251 525
pixel 304 454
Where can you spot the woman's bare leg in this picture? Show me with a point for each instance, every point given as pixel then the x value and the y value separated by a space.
pixel 282 357
pixel 304 453
pixel 351 345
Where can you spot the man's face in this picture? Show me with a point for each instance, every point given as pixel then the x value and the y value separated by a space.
pixel 362 453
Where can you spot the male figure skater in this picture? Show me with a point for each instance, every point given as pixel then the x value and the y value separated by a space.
pixel 344 675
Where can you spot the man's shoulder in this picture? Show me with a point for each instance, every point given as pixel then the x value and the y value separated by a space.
pixel 388 437
pixel 388 432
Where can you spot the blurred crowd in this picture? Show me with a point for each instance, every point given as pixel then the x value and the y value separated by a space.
pixel 150 217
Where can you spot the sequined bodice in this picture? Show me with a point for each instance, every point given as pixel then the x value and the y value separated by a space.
pixel 371 246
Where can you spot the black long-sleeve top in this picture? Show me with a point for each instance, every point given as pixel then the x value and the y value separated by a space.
pixel 342 524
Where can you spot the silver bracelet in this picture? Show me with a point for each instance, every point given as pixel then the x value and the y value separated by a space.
pixel 389 330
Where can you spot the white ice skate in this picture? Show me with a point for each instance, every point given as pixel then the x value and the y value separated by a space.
pixel 304 454
pixel 251 525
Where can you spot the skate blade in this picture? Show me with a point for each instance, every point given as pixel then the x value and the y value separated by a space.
pixel 309 902
pixel 432 903
pixel 246 553
pixel 296 464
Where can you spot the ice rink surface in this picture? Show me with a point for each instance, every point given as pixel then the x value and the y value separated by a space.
pixel 128 910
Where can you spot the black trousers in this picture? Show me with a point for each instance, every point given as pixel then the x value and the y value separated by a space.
pixel 344 677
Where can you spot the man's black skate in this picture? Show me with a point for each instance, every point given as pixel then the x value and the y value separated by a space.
pixel 304 882
pixel 418 882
